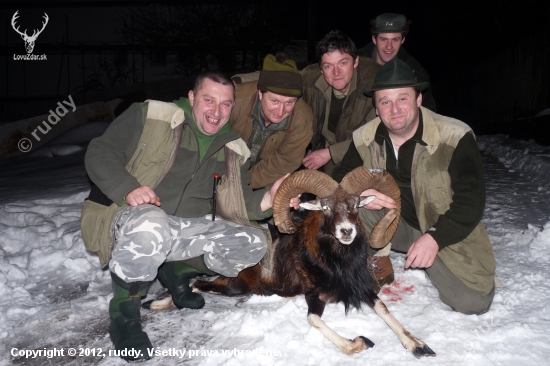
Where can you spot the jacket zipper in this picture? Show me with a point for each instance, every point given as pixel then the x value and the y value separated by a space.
pixel 197 167
pixel 396 163
pixel 133 169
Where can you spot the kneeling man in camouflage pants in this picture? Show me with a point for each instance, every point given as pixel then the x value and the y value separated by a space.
pixel 153 172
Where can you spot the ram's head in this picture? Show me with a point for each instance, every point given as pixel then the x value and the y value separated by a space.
pixel 340 202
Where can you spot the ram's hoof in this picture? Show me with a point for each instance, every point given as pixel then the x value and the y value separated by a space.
pixel 357 345
pixel 423 351
pixel 367 342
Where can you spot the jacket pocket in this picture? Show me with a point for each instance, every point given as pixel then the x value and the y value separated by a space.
pixel 145 156
pixel 439 196
pixel 95 223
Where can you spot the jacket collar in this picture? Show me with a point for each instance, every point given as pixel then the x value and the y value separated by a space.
pixel 326 89
pixel 431 133
pixel 184 108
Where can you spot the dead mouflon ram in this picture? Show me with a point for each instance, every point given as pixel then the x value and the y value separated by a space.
pixel 324 256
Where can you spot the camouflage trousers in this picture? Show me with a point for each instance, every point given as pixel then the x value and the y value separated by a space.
pixel 146 237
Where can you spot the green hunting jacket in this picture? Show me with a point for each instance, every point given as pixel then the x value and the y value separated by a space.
pixel 155 144
pixel 318 94
pixel 472 259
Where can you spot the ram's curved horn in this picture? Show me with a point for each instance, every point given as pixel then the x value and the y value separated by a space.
pixel 361 179
pixel 311 181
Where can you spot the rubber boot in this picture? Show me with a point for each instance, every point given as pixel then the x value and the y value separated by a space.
pixel 381 271
pixel 199 264
pixel 175 276
pixel 130 341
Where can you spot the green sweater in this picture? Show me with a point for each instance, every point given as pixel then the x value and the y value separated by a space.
pixel 204 140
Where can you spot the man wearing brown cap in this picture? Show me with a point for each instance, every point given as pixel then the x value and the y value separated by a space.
pixel 388 35
pixel 333 89
pixel 438 168
pixel 273 120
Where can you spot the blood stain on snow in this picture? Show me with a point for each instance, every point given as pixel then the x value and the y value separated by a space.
pixel 393 291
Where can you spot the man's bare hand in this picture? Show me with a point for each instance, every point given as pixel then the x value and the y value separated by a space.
pixel 381 201
pixel 422 252
pixel 295 202
pixel 269 196
pixel 141 196
pixel 317 159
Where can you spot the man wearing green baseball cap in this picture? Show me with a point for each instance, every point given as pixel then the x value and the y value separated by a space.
pixel 273 120
pixel 388 35
pixel 437 165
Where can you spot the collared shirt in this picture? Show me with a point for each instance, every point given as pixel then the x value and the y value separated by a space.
pixel 339 95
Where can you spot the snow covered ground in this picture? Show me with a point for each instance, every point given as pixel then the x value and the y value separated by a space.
pixel 54 296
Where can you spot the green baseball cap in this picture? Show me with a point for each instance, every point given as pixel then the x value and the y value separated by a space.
pixel 393 75
pixel 390 23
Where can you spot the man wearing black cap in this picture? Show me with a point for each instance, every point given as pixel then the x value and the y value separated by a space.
pixel 273 120
pixel 388 35
pixel 437 165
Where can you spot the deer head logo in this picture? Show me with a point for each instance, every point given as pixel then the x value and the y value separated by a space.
pixel 29 40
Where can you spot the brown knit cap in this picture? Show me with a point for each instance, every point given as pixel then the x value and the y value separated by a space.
pixel 280 76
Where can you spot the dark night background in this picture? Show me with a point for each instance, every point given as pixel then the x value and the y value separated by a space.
pixel 489 62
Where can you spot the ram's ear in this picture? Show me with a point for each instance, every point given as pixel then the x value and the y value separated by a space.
pixel 365 200
pixel 311 205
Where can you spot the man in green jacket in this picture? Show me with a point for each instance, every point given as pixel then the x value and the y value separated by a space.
pixel 389 31
pixel 150 211
pixel 437 165
pixel 333 89
pixel 273 120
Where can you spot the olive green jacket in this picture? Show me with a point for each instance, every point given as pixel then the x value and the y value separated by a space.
pixel 472 260
pixel 357 110
pixel 150 135
pixel 284 150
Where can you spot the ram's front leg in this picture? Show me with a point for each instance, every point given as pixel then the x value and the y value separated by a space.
pixel 409 341
pixel 316 306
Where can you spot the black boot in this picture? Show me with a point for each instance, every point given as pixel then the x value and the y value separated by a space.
pixel 130 341
pixel 175 276
pixel 199 264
